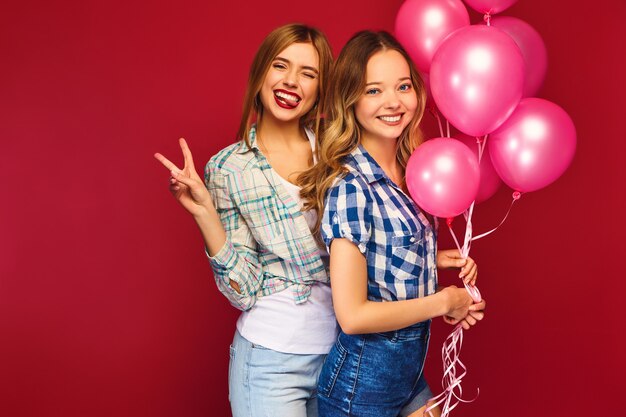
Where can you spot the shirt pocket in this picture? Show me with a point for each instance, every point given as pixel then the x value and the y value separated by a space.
pixel 262 210
pixel 407 260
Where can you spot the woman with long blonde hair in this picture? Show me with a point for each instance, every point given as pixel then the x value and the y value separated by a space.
pixel 383 255
pixel 264 257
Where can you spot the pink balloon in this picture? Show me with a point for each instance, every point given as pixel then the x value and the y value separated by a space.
pixel 490 6
pixel 490 182
pixel 532 47
pixel 476 78
pixel 421 25
pixel 442 177
pixel 534 146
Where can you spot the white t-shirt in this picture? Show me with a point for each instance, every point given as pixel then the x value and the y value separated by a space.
pixel 278 323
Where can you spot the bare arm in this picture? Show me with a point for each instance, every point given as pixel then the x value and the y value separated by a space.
pixel 356 314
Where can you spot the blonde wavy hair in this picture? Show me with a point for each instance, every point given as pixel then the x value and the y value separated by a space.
pixel 341 132
pixel 272 45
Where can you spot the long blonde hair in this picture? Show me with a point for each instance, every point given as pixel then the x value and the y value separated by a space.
pixel 272 45
pixel 341 130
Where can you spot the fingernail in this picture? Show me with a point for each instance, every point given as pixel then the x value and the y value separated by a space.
pixel 174 173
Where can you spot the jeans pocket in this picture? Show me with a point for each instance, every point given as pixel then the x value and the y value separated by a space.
pixel 256 346
pixel 331 369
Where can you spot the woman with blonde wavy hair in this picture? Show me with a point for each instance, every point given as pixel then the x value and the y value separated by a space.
pixel 383 255
pixel 264 257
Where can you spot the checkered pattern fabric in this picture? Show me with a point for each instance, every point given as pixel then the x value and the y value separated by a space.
pixel 269 244
pixel 395 237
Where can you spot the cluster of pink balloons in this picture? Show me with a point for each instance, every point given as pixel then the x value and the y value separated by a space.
pixel 481 78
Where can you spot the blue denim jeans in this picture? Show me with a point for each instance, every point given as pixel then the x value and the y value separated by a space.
pixel 375 375
pixel 266 383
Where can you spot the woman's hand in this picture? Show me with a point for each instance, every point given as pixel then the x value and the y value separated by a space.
pixel 451 258
pixel 459 303
pixel 186 185
pixel 472 318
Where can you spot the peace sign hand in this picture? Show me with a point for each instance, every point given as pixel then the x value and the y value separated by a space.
pixel 186 185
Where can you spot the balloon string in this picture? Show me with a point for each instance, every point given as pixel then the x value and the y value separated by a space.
pixel 465 249
pixel 452 393
pixel 456 241
pixel 467 242
pixel 448 128
pixel 451 350
pixel 482 143
pixel 451 382
pixel 434 112
pixel 516 196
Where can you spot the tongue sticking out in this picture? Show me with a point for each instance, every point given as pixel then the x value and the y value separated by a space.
pixel 286 102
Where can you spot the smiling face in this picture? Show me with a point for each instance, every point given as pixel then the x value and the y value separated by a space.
pixel 290 87
pixel 389 101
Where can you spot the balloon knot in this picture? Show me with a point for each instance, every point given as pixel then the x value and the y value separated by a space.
pixel 516 195
pixel 487 18
pixel 479 140
pixel 449 220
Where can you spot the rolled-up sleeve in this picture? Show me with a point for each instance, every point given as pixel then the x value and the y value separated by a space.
pixel 347 215
pixel 238 259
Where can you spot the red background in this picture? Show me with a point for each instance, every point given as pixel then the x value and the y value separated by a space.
pixel 107 305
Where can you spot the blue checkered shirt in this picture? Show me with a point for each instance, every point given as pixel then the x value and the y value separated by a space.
pixel 269 245
pixel 389 229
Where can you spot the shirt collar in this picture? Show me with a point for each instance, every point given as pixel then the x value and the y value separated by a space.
pixel 363 162
pixel 243 146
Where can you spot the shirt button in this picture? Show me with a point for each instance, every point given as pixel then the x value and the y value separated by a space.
pixel 412 239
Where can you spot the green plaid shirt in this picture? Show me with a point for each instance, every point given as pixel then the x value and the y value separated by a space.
pixel 269 245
